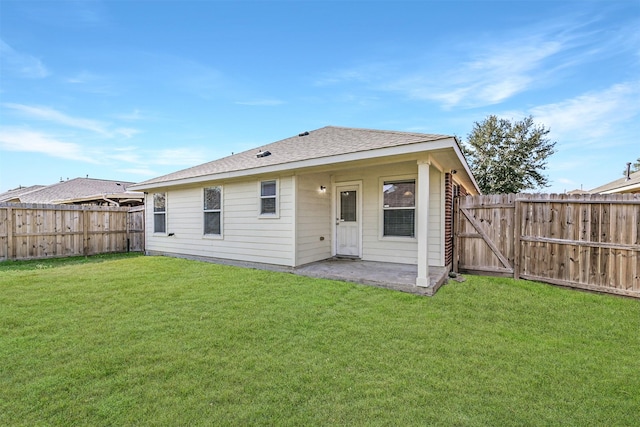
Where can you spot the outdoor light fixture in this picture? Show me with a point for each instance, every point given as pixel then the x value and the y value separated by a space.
pixel 323 188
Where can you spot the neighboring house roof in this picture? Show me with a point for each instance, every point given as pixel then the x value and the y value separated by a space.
pixel 14 195
pixel 319 147
pixel 77 190
pixel 621 185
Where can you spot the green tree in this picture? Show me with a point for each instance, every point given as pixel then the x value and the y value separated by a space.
pixel 508 157
pixel 635 167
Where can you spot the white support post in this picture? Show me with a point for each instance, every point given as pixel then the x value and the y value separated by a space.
pixel 422 223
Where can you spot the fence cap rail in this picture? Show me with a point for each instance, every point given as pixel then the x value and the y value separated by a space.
pixel 493 199
pixel 5 205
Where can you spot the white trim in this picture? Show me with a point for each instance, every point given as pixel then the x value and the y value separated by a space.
pixel 221 210
pixel 622 189
pixel 422 226
pixel 443 214
pixel 465 165
pixel 276 214
pixel 294 224
pixel 381 180
pixel 334 212
pixel 418 147
pixel 166 216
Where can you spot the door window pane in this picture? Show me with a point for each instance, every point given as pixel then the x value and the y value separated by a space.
pixel 348 206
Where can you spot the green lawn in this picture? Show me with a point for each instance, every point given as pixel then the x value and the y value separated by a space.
pixel 132 340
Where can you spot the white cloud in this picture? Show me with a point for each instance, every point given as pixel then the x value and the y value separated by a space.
pixel 139 171
pixel 488 78
pixel 133 116
pixel 126 132
pixel 593 115
pixel 81 78
pixel 57 117
pixel 20 64
pixel 51 115
pixel 12 139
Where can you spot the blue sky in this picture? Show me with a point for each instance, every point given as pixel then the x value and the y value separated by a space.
pixel 129 90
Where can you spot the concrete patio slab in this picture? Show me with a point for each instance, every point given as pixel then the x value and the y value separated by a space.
pixel 400 277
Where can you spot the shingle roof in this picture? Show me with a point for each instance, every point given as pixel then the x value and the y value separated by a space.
pixel 17 192
pixel 324 142
pixel 621 185
pixel 73 189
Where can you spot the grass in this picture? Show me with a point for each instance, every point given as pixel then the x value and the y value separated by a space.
pixel 133 340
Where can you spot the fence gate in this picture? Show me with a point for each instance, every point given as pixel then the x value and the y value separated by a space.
pixel 589 241
pixel 484 227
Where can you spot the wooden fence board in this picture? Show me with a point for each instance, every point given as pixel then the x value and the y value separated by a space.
pixel 590 242
pixel 31 231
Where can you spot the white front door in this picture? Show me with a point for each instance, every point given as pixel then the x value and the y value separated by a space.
pixel 347 221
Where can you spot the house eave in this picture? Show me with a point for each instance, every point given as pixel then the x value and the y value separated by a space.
pixel 624 189
pixel 419 147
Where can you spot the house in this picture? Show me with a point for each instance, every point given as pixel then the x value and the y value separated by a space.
pixel 14 195
pixel 77 191
pixel 627 184
pixel 333 192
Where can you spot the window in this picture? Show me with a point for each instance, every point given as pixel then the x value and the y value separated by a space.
pixel 160 213
pixel 213 210
pixel 269 197
pixel 399 208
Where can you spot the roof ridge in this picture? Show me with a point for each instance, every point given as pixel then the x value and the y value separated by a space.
pixel 321 143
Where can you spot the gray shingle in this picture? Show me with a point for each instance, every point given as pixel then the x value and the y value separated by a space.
pixel 16 193
pixel 74 189
pixel 324 142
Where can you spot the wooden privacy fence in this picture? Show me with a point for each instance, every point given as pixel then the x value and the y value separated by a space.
pixel 31 231
pixel 585 241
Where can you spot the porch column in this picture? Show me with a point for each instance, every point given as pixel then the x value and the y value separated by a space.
pixel 422 223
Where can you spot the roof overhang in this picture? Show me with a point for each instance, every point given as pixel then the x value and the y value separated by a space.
pixel 113 197
pixel 425 147
pixel 630 188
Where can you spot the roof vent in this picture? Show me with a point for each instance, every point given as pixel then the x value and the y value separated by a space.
pixel 263 153
pixel 303 134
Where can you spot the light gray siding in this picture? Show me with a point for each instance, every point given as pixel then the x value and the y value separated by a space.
pixel 313 233
pixel 304 230
pixel 246 236
pixel 435 238
pixel 396 249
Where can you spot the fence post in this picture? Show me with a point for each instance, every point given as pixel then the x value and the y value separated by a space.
pixel 85 231
pixel 517 234
pixel 10 223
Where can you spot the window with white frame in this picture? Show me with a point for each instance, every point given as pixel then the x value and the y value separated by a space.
pixel 160 212
pixel 399 208
pixel 213 211
pixel 269 198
